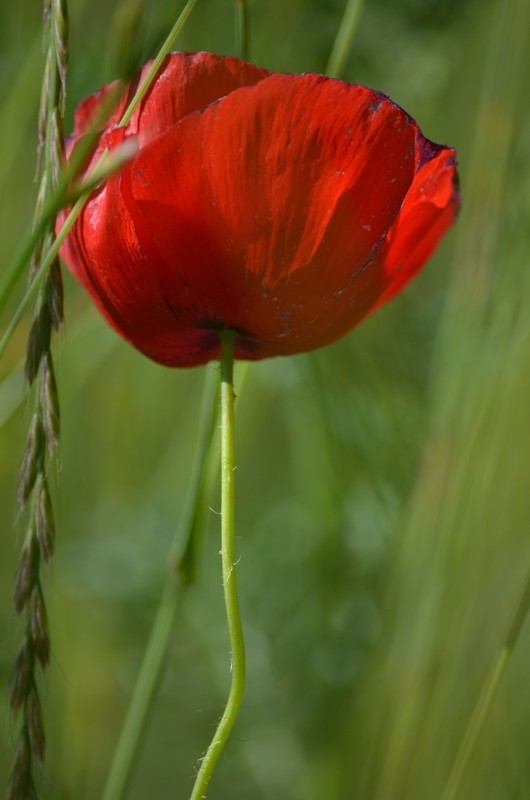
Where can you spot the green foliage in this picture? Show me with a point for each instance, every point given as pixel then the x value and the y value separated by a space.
pixel 382 483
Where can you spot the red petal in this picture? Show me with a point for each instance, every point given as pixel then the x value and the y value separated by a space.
pixel 187 82
pixel 428 211
pixel 105 256
pixel 261 212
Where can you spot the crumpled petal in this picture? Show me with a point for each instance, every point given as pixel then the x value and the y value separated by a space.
pixel 428 211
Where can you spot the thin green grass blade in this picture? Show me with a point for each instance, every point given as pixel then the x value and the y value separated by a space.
pixel 59 197
pixel 461 555
pixel 157 63
pixel 21 258
pixel 242 32
pixel 181 573
pixel 487 695
pixel 345 36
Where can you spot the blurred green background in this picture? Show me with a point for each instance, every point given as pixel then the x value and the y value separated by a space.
pixel 383 484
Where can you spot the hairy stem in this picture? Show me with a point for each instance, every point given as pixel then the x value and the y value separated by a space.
pixel 229 563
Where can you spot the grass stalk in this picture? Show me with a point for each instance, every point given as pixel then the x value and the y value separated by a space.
pixel 485 700
pixel 158 61
pixel 181 575
pixel 21 258
pixel 44 429
pixel 242 30
pixel 344 38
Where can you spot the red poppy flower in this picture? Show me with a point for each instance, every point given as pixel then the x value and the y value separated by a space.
pixel 285 207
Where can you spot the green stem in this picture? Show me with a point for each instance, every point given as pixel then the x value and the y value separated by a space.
pixel 242 30
pixel 15 268
pixel 58 198
pixel 478 718
pixel 343 40
pixel 45 265
pixel 157 63
pixel 182 556
pixel 229 562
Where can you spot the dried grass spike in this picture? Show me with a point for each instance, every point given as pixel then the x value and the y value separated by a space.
pixel 38 622
pixel 31 461
pixel 49 402
pixel 20 785
pixel 61 49
pixel 21 676
pixel 31 794
pixel 35 260
pixel 47 11
pixel 56 147
pixel 43 113
pixel 44 427
pixel 44 524
pixel 54 295
pixel 35 725
pixel 38 342
pixel 27 572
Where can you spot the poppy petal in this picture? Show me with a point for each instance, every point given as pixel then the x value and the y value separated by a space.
pixel 185 83
pixel 428 211
pixel 285 207
pixel 272 201
pixel 105 256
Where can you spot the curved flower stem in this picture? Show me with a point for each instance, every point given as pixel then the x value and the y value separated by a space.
pixel 478 718
pixel 229 572
pixel 242 29
pixel 344 38
pixel 181 574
